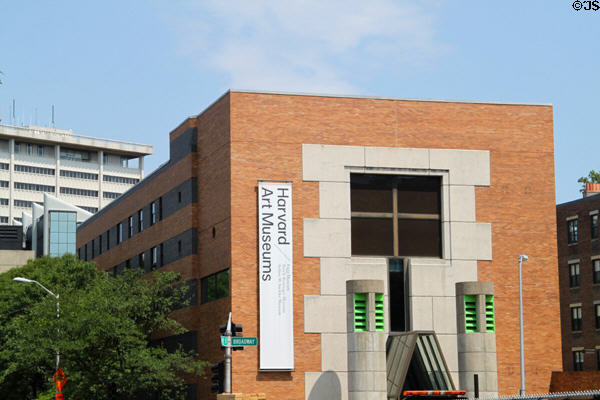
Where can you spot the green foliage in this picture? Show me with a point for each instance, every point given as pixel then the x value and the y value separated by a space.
pixel 104 332
pixel 593 177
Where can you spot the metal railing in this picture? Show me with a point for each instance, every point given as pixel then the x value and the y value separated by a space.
pixel 595 394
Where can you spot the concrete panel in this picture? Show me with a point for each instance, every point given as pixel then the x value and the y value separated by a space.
pixel 393 157
pixel 14 258
pixel 421 313
pixel 489 340
pixel 466 167
pixel 463 271
pixel 490 362
pixel 471 361
pixel 367 396
pixel 450 350
pixel 334 274
pixel 334 351
pixel 364 286
pixel 334 200
pixel 325 314
pixel 444 315
pixel 327 237
pixel 462 203
pixel 367 341
pixel 328 385
pixel 471 241
pixel 366 361
pixel 471 342
pixel 327 163
pixel 367 381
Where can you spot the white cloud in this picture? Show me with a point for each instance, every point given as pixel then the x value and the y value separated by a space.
pixel 305 45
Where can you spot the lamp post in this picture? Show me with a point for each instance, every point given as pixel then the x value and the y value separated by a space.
pixel 24 280
pixel 522 258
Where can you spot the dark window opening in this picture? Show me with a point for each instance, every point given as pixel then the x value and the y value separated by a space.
pixel 396 215
pixel 572 229
pixel 596 272
pixel 578 360
pixel 215 286
pixel 179 196
pixel 119 232
pixel 179 246
pixel 576 319
pixel 130 225
pixel 397 298
pixel 574 275
pixel 141 220
pixel 597 311
pixel 214 232
pixel 594 226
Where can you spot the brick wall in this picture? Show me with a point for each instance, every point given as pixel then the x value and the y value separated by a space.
pixel 266 135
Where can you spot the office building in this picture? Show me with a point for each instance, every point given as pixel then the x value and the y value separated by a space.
pixel 579 278
pixel 352 235
pixel 85 171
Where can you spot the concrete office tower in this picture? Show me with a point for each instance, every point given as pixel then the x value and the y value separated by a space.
pixel 85 171
pixel 270 203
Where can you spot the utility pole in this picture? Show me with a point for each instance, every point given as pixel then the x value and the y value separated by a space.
pixel 227 380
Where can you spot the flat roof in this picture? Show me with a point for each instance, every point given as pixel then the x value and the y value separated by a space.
pixel 60 136
pixel 386 98
pixel 593 196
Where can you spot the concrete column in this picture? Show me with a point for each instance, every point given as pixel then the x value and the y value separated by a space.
pixel 476 350
pixel 100 177
pixel 11 168
pixel 57 168
pixel 366 349
pixel 141 167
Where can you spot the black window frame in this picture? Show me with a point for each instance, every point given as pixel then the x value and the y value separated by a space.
pixel 573 231
pixel 578 360
pixel 594 226
pixel 212 289
pixel 574 275
pixel 119 233
pixel 576 319
pixel 140 219
pixel 596 271
pixel 154 256
pixel 130 225
pixel 597 314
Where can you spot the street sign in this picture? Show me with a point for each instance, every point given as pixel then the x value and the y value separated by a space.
pixel 60 379
pixel 236 341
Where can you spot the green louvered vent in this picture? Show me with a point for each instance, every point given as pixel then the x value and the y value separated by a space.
pixel 379 313
pixel 360 312
pixel 490 324
pixel 470 313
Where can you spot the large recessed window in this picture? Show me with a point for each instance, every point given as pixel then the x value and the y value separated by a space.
pixel 396 215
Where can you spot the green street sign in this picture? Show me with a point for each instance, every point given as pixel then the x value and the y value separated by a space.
pixel 238 341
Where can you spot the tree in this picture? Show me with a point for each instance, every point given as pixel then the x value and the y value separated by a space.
pixel 104 333
pixel 593 177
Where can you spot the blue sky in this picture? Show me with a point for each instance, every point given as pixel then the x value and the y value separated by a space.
pixel 133 70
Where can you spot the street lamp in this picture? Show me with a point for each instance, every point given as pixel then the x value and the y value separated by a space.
pixel 25 280
pixel 522 258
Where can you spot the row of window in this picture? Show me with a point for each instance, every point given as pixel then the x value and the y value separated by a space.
pixel 24 203
pixel 3 202
pixel 34 170
pixel 3 166
pixel 3 184
pixel 120 179
pixel 577 317
pixel 93 210
pixel 573 228
pixel 79 192
pixel 111 195
pixel 41 149
pixel 4 220
pixel 579 357
pixel 34 187
pixel 78 174
pixel 574 273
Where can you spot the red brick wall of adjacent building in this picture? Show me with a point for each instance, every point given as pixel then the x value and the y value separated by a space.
pixel 267 131
pixel 587 292
pixel 571 381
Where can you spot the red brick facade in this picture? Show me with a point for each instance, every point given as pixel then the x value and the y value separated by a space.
pixel 246 137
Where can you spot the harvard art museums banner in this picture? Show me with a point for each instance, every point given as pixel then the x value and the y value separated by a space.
pixel 275 275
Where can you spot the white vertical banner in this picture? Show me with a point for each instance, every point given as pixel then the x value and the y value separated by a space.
pixel 275 275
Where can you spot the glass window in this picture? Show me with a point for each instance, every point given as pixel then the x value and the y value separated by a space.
pixel 572 230
pixel 576 318
pixel 140 220
pixel 130 225
pixel 154 256
pixel 142 260
pixel 574 275
pixel 578 360
pixel 153 213
pixel 594 227
pixel 41 149
pixel 63 225
pixel 119 232
pixel 17 147
pixel 596 272
pixel 29 149
pixel 597 312
pixel 396 215
pixel 215 286
pixel 105 158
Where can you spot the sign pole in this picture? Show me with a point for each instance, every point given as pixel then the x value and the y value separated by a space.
pixel 227 379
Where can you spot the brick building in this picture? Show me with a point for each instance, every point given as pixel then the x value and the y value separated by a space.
pixel 579 278
pixel 331 225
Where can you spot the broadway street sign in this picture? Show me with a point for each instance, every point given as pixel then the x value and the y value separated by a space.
pixel 237 341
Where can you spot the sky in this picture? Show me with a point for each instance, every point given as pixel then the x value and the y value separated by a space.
pixel 133 70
